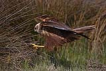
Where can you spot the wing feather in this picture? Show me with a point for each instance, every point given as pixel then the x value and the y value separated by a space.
pixel 59 29
pixel 56 25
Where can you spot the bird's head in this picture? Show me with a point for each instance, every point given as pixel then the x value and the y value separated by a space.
pixel 37 28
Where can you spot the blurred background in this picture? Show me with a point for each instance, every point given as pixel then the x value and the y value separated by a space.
pixel 16 32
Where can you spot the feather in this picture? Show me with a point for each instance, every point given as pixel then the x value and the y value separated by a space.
pixel 84 29
pixel 53 40
pixel 58 29
pixel 56 25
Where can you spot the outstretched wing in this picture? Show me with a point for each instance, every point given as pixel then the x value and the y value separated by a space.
pixel 61 28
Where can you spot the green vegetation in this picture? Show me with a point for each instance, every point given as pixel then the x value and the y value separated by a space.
pixel 16 31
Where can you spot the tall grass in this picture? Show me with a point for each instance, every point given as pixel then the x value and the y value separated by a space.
pixel 16 31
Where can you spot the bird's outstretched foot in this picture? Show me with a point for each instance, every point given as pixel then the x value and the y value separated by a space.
pixel 37 46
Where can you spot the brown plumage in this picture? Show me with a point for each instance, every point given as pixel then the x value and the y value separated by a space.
pixel 56 34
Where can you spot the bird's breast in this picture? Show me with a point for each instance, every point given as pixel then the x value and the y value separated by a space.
pixel 44 33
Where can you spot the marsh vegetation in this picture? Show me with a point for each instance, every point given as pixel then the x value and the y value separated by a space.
pixel 16 32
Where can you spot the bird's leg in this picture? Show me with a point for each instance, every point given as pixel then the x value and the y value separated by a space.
pixel 37 46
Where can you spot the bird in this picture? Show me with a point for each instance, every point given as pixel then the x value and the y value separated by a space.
pixel 56 34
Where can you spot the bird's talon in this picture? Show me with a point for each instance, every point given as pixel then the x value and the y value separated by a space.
pixel 37 46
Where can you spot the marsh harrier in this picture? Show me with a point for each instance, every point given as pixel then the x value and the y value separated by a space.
pixel 56 34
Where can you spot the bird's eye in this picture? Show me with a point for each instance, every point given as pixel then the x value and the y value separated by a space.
pixel 35 28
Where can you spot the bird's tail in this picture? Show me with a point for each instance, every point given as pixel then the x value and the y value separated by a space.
pixel 84 29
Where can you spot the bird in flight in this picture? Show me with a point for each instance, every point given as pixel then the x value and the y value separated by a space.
pixel 56 33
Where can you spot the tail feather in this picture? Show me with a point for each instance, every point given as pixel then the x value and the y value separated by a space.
pixel 84 29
